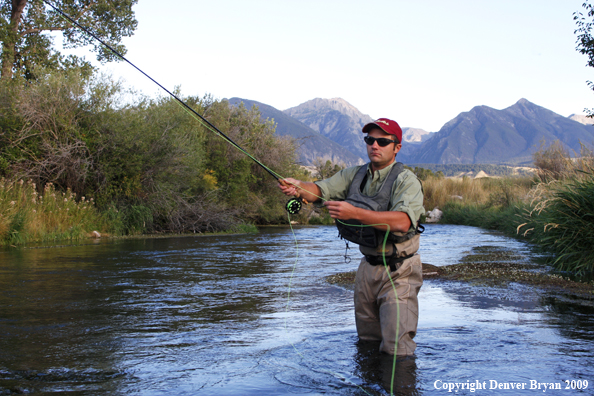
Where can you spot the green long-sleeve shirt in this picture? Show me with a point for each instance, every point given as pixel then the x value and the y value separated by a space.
pixel 407 192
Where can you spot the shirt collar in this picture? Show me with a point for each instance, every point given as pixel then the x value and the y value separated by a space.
pixel 380 174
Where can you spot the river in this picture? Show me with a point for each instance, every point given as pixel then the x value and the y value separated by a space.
pixel 252 315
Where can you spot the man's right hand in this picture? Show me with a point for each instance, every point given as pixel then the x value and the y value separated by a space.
pixel 307 191
pixel 288 186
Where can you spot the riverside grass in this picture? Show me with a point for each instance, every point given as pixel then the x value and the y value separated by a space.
pixel 484 192
pixel 29 216
pixel 556 216
pixel 561 220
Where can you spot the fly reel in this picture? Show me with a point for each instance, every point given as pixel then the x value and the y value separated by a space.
pixel 294 205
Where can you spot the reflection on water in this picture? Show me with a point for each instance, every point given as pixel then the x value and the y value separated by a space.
pixel 209 316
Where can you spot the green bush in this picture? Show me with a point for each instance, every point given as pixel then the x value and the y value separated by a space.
pixel 16 229
pixel 137 219
pixel 150 165
pixel 245 228
pixel 561 221
pixel 505 219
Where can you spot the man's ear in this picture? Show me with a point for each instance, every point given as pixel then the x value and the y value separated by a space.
pixel 397 147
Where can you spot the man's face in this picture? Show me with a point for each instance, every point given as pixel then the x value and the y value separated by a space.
pixel 381 157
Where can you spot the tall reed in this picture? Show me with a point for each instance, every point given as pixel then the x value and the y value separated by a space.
pixel 554 210
pixel 561 221
pixel 27 215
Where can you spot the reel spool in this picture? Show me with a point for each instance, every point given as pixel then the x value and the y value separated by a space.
pixel 294 205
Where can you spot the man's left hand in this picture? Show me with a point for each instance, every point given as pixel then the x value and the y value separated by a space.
pixel 341 210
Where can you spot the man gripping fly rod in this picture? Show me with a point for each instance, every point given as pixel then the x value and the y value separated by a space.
pixel 366 200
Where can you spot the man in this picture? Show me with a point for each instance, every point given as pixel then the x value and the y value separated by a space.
pixel 366 201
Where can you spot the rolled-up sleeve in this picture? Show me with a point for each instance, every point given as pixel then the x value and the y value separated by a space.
pixel 335 188
pixel 407 197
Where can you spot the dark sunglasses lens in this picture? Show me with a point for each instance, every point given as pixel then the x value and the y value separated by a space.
pixel 382 142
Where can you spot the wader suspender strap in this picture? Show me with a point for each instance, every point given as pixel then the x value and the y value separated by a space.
pixel 352 230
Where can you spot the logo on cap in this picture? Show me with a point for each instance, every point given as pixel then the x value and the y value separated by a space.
pixel 383 122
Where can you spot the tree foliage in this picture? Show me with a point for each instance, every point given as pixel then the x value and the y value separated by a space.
pixel 149 165
pixel 423 173
pixel 455 169
pixel 25 26
pixel 585 39
pixel 551 162
pixel 326 169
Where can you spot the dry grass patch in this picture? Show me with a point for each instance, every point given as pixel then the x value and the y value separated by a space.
pixel 485 191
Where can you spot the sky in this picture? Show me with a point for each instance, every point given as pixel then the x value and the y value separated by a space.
pixel 420 63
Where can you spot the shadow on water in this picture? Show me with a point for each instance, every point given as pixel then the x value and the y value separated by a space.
pixel 238 315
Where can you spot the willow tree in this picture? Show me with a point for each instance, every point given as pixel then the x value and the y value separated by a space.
pixel 26 26
pixel 585 38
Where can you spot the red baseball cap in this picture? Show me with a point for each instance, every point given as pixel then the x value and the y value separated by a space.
pixel 391 127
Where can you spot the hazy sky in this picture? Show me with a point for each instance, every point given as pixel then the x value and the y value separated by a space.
pixel 418 62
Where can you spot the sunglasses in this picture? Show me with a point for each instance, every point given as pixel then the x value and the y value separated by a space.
pixel 382 142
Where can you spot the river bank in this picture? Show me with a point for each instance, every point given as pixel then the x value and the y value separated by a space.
pixel 499 267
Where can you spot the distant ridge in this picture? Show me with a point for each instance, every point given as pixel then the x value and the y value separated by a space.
pixel 415 135
pixel 582 119
pixel 336 119
pixel 313 145
pixel 342 122
pixel 482 135
pixel 490 136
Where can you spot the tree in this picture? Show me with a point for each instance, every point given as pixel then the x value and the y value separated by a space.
pixel 25 27
pixel 552 161
pixel 585 39
pixel 326 169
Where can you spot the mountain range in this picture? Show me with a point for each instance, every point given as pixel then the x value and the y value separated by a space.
pixel 330 129
pixel 489 136
pixel 336 119
pixel 312 145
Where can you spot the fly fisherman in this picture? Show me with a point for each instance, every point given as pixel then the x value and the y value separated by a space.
pixel 379 193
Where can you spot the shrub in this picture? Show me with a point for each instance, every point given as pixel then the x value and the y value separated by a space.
pixel 505 219
pixel 150 165
pixel 561 221
pixel 326 169
pixel 551 162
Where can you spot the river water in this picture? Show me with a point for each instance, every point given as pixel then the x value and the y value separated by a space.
pixel 214 316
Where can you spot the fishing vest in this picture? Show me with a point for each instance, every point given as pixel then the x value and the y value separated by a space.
pixel 369 239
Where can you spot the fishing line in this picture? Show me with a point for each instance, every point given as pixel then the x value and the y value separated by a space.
pixel 292 207
pixel 181 102
pixel 336 375
pixel 386 267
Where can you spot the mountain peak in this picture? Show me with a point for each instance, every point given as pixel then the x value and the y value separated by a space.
pixel 312 144
pixel 320 104
pixel 486 135
pixel 525 108
pixel 336 119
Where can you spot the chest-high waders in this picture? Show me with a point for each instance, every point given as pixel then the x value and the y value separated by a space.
pixel 386 303
pixel 369 239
